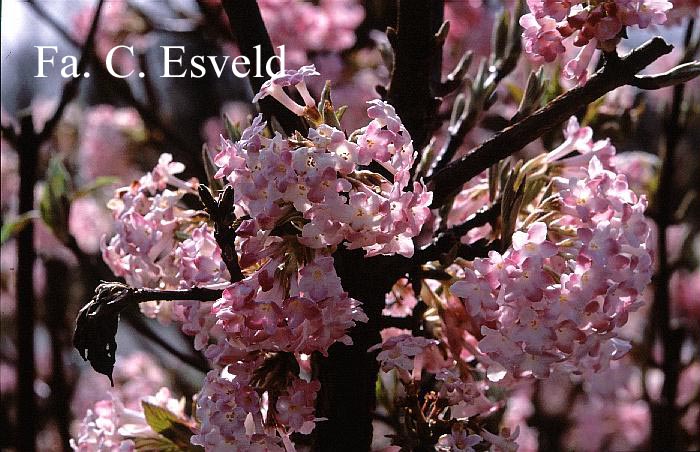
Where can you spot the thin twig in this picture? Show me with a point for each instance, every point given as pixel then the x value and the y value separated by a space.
pixel 615 73
pixel 138 323
pixel 70 89
pixel 447 239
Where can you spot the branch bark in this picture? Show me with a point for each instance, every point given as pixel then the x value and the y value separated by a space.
pixel 97 322
pixel 415 54
pixel 665 414
pixel 249 30
pixel 28 147
pixel 56 303
pixel 615 73
pixel 349 373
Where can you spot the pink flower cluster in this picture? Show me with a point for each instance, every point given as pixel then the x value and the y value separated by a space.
pixel 558 296
pixel 306 28
pixel 399 352
pixel 110 134
pixel 322 180
pixel 591 25
pixel 148 220
pixel 280 308
pixel 232 414
pixel 159 244
pixel 109 426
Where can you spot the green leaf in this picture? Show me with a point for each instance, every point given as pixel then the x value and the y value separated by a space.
pixel 210 168
pixel 233 130
pixel 92 187
pixel 55 200
pixel 169 425
pixel 159 443
pixel 515 92
pixel 12 228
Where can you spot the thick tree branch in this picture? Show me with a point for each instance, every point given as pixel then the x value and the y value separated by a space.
pixel 665 414
pixel 249 30
pixel 56 303
pixel 615 73
pixel 415 51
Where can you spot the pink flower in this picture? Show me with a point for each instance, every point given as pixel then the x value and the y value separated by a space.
pixel 542 39
pixel 399 352
pixel 274 87
pixel 295 410
pixel 458 440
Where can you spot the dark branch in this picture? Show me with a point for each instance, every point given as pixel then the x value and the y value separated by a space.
pixel 445 241
pixel 404 323
pixel 70 89
pixel 28 150
pixel 665 415
pixel 615 73
pixel 415 50
pixel 249 30
pixel 9 134
pixel 679 74
pixel 97 322
pixel 136 320
pixel 220 211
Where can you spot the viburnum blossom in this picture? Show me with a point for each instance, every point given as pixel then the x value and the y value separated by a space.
pixel 223 406
pixel 594 25
pixel 295 409
pixel 558 296
pixel 459 440
pixel 109 135
pixel 296 199
pixel 288 310
pixel 321 179
pixel 398 353
pixel 306 28
pixel 109 426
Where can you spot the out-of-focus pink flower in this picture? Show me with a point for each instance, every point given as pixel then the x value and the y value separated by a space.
pixel 108 140
pixel 89 222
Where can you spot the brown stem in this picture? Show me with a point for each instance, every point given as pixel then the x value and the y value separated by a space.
pixel 415 54
pixel 615 73
pixel 56 302
pixel 665 432
pixel 28 147
pixel 349 373
pixel 250 31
